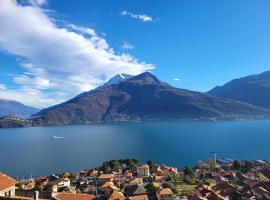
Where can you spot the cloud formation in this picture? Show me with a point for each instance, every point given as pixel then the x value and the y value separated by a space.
pixel 141 17
pixel 176 79
pixel 59 62
pixel 126 45
pixel 2 86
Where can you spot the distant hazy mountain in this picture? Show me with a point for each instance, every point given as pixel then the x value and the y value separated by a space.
pixel 15 108
pixel 143 98
pixel 254 89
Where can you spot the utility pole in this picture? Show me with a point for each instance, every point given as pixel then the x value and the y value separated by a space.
pixel 215 161
pixel 96 186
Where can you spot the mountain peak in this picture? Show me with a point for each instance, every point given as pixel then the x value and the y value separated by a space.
pixel 117 79
pixel 147 78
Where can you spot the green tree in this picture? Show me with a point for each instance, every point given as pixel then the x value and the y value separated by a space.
pixel 151 166
pixel 236 165
pixel 115 165
pixel 188 172
pixel 151 191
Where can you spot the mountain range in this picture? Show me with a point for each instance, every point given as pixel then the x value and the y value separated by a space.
pixel 143 98
pixel 254 89
pixel 15 108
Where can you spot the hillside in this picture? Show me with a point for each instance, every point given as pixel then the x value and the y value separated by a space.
pixel 254 89
pixel 143 98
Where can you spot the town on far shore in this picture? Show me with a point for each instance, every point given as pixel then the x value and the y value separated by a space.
pixel 127 179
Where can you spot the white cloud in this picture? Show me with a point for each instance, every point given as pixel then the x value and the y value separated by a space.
pixel 176 79
pixel 126 45
pixel 33 97
pixel 2 86
pixel 37 2
pixel 58 60
pixel 34 82
pixel 142 17
pixel 83 30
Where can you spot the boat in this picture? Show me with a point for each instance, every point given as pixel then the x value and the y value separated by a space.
pixel 56 137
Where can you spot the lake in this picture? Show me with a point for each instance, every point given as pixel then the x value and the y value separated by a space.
pixel 26 151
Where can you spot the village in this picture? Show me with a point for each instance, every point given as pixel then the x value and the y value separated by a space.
pixel 127 179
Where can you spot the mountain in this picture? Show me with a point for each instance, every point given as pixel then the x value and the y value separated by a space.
pixel 254 89
pixel 143 98
pixel 114 80
pixel 15 108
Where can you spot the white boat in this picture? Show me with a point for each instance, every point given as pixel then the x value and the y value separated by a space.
pixel 56 137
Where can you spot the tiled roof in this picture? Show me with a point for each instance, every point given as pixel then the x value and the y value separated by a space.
pixel 165 191
pixel 6 181
pixel 106 176
pixel 70 196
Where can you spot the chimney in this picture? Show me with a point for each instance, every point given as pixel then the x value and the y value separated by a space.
pixel 36 195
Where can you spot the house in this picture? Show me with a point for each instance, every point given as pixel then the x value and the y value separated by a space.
pixel 136 181
pixel 128 174
pixel 160 179
pixel 143 171
pixel 109 187
pixel 69 196
pixel 7 185
pixel 94 173
pixel 64 183
pixel 164 194
pixel 165 170
pixel 29 185
pixel 103 178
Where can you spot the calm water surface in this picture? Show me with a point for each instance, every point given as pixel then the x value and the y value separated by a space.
pixel 26 151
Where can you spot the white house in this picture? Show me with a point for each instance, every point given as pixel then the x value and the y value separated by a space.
pixel 143 171
pixel 164 194
pixel 65 182
pixel 7 185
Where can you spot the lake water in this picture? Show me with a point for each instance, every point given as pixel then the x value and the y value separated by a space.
pixel 26 151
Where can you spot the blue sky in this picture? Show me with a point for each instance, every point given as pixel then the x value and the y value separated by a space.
pixel 53 50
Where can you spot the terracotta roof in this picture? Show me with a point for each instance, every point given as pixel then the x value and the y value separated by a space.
pixel 94 172
pixel 106 176
pixel 70 196
pixel 165 191
pixel 6 181
pixel 139 197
